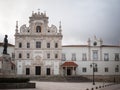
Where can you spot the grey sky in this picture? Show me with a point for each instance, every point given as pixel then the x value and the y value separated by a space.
pixel 80 19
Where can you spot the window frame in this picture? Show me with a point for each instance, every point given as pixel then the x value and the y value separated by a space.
pixel 20 55
pixel 84 69
pixel 28 45
pixel 73 57
pixel 48 55
pixel 106 56
pixel 48 44
pixel 117 57
pixel 38 29
pixel 56 45
pixel 38 44
pixel 95 54
pixel 20 45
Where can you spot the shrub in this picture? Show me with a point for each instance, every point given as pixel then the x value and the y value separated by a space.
pixel 14 80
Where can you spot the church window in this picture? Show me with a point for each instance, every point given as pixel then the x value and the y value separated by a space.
pixel 27 71
pixel 56 55
pixel 48 45
pixel 20 45
pixel 38 44
pixel 28 55
pixel 28 45
pixel 13 55
pixel 48 55
pixel 38 29
pixel 48 31
pixel 56 45
pixel 20 55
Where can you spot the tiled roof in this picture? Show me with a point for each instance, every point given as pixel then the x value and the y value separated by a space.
pixel 69 64
pixel 75 46
pixel 110 46
pixel 87 46
pixel 1 44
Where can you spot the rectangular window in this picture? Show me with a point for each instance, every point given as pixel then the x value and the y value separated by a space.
pixel 106 69
pixel 27 71
pixel 73 57
pixel 28 45
pixel 13 55
pixel 20 45
pixel 28 55
pixel 116 56
pixel 106 57
pixel 95 54
pixel 37 70
pixel 48 55
pixel 63 56
pixel 47 71
pixel 117 68
pixel 20 55
pixel 84 69
pixel 38 44
pixel 56 45
pixel 56 55
pixel 84 57
pixel 95 69
pixel 48 45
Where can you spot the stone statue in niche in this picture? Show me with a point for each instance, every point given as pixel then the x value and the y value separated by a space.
pixel 5 45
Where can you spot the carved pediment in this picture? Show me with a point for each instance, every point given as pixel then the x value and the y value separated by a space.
pixel 38 57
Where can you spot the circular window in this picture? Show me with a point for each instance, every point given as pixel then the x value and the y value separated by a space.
pixel 95 43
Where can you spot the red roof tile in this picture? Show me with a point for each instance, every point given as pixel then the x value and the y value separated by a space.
pixel 69 64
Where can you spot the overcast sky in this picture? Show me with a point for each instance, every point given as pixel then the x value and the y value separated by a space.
pixel 81 19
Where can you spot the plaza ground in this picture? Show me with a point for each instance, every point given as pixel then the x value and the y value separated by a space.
pixel 70 86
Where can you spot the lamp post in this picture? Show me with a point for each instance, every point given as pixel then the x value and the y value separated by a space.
pixel 116 70
pixel 93 66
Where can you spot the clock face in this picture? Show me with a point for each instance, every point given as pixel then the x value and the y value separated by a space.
pixel 95 43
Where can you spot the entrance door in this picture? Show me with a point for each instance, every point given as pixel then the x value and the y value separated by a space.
pixel 48 71
pixel 38 70
pixel 69 71
pixel 27 71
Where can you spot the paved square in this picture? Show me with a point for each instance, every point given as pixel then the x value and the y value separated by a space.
pixel 64 85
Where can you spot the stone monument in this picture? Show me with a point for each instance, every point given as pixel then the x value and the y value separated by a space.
pixel 5 45
pixel 6 60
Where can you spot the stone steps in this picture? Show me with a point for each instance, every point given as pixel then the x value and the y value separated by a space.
pixel 61 78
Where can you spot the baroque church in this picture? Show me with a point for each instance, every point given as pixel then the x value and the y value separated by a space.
pixel 38 47
pixel 39 51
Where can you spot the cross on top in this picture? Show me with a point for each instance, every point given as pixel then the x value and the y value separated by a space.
pixel 38 10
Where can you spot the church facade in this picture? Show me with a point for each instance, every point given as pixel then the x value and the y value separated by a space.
pixel 38 47
pixel 39 51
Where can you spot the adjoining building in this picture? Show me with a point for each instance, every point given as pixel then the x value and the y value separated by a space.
pixel 77 59
pixel 39 52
